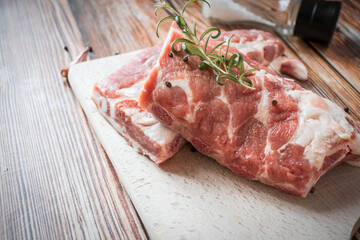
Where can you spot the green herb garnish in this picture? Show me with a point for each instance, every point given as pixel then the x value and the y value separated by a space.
pixel 222 65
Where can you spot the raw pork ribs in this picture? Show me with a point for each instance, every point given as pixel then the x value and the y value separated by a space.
pixel 279 133
pixel 260 46
pixel 116 96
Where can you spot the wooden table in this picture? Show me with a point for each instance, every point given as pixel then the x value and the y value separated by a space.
pixel 56 181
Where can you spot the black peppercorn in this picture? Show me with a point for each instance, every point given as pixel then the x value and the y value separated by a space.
pixel 186 58
pixel 66 48
pixel 347 110
pixel 168 84
pixel 274 102
pixel 171 54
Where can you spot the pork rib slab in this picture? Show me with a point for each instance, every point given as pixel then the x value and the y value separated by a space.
pixel 116 96
pixel 279 133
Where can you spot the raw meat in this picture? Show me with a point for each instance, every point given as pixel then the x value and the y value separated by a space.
pixel 258 45
pixel 279 133
pixel 294 68
pixel 116 96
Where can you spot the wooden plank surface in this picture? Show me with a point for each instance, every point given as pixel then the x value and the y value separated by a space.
pixel 56 181
pixel 343 53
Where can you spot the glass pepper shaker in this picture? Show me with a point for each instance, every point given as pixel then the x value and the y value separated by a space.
pixel 313 20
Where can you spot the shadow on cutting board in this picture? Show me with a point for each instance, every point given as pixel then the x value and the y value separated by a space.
pixel 337 189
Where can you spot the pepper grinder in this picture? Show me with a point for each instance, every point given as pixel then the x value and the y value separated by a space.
pixel 313 20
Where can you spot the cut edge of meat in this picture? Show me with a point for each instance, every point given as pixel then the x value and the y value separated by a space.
pixel 116 99
pixel 136 136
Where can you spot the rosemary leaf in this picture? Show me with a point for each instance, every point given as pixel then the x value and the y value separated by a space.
pixel 222 66
pixel 179 40
pixel 212 29
pixel 217 46
pixel 162 20
pixel 191 1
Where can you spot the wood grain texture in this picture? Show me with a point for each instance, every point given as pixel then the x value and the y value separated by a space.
pixel 343 53
pixel 56 181
pixel 324 78
pixel 117 26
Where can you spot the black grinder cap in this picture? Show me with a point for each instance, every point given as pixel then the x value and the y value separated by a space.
pixel 316 20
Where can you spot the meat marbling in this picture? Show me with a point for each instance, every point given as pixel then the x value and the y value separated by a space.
pixel 116 96
pixel 279 133
pixel 258 45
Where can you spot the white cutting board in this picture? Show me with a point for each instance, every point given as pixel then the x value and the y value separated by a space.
pixel 193 197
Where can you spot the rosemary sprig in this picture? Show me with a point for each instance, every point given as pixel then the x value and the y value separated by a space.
pixel 222 65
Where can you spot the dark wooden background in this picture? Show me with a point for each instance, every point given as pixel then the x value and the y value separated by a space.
pixel 55 179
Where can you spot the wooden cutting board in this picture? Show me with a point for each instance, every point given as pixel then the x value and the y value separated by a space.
pixel 192 197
